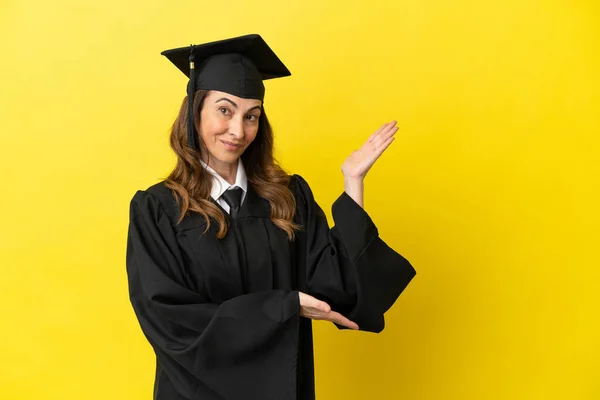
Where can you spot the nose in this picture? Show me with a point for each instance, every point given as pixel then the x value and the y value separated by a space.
pixel 236 127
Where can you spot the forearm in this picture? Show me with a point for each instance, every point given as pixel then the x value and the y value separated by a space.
pixel 355 188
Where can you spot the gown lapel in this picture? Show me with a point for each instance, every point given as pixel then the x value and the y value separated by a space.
pixel 244 249
pixel 253 220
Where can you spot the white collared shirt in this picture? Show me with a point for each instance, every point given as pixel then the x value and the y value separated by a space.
pixel 220 185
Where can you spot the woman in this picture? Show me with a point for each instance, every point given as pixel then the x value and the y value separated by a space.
pixel 230 258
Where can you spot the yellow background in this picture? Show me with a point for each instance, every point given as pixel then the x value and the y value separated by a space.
pixel 491 188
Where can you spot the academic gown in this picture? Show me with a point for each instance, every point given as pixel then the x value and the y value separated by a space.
pixel 223 315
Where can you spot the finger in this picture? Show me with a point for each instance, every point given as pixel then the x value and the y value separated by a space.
pixel 384 146
pixel 315 313
pixel 388 126
pixel 384 136
pixel 374 135
pixel 389 131
pixel 379 149
pixel 332 316
pixel 341 320
pixel 381 129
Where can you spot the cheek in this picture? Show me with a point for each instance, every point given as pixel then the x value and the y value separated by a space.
pixel 211 128
pixel 251 134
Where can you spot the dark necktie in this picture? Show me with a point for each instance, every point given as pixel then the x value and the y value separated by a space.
pixel 233 198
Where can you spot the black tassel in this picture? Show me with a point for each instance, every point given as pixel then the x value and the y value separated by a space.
pixel 191 91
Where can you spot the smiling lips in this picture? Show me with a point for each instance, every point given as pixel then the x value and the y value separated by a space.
pixel 231 146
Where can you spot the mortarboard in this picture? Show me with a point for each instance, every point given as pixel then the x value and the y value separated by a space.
pixel 236 66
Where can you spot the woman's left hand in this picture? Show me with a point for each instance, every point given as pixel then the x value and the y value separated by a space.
pixel 360 161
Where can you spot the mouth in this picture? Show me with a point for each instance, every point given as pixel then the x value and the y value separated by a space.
pixel 231 146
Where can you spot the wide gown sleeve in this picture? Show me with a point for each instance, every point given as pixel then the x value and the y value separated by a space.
pixel 246 346
pixel 349 265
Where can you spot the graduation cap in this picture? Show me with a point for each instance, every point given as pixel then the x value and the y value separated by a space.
pixel 236 66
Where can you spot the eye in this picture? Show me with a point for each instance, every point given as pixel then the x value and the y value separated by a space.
pixel 224 110
pixel 251 118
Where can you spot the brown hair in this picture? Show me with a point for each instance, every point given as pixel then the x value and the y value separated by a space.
pixel 191 183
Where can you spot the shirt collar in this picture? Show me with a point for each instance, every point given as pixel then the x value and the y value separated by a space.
pixel 220 185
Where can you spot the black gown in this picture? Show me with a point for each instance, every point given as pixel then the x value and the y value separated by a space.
pixel 223 315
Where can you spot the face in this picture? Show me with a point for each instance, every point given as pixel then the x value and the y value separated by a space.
pixel 228 124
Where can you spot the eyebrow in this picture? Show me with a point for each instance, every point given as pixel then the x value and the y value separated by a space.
pixel 228 100
pixel 235 105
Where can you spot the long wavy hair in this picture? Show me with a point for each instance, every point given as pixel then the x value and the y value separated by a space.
pixel 191 183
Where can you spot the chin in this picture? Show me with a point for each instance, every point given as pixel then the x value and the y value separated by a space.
pixel 228 158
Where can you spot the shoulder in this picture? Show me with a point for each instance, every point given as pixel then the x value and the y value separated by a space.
pixel 298 181
pixel 301 189
pixel 162 193
pixel 157 198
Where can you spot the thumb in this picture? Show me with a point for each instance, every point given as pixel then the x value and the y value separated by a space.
pixel 307 300
pixel 323 306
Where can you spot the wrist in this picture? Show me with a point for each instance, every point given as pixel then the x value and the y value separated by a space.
pixel 354 187
pixel 354 180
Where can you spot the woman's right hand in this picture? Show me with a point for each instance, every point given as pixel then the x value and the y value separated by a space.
pixel 313 308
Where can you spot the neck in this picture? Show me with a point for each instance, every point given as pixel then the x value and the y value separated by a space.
pixel 227 171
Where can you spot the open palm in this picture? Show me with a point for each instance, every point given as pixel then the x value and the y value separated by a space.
pixel 360 161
